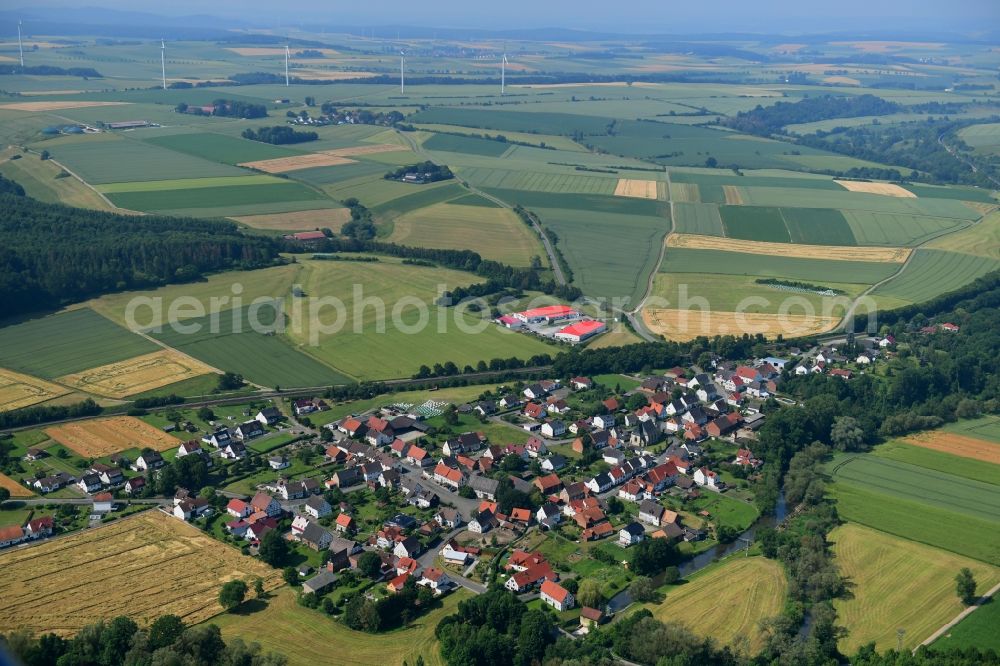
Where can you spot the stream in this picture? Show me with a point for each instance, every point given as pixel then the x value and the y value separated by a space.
pixel 702 560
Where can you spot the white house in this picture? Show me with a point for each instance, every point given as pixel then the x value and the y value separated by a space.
pixel 553 429
pixel 631 534
pixel 703 476
pixel 557 596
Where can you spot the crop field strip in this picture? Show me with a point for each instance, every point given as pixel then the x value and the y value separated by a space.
pixel 187 183
pixel 897 583
pixel 16 489
pixel 687 324
pixel 958 445
pixel 296 162
pixel 826 252
pixel 638 189
pixel 217 197
pixel 144 566
pixel 946 452
pixel 816 271
pixel 94 438
pixel 303 220
pixel 221 147
pixel 137 375
pixel 885 189
pixel 697 218
pixel 934 272
pixel 465 144
pixel 18 390
pixel 72 341
pixel 538 181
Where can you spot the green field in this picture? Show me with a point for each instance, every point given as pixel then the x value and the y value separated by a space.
pixel 977 630
pixel 216 197
pixel 817 226
pixel 931 273
pixel 726 293
pixel 898 229
pixel 416 197
pixel 895 583
pixel 223 148
pixel 539 181
pixel 985 138
pixel 754 223
pixel 60 344
pixel 815 271
pixel 188 183
pixel 797 197
pixel 266 359
pixel 515 121
pixel 970 468
pixel 466 144
pixel 985 427
pixel 698 218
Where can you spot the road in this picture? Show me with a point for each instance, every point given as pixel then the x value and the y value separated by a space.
pixel 557 270
pixel 635 314
pixel 79 501
pixel 958 618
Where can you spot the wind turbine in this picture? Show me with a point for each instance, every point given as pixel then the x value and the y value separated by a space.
pixel 503 69
pixel 163 63
pixel 402 60
pixel 20 48
pixel 287 55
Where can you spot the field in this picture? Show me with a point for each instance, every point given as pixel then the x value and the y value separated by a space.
pixel 985 427
pixel 221 198
pixel 465 144
pixel 221 147
pixel 678 324
pixel 958 445
pixel 832 253
pixel 931 273
pixel 187 184
pixel 981 239
pixel 41 179
pixel 315 634
pixel 976 630
pixel 143 567
pixel 15 488
pixel 19 390
pixel 296 162
pixel 640 189
pixel 898 229
pixel 303 220
pixel 137 375
pixel 94 438
pixel 729 601
pixel 55 106
pixel 814 271
pixel 697 218
pixel 68 342
pixel 912 452
pixel 897 584
pixel 755 223
pixel 495 233
pixel 536 180
pixel 885 189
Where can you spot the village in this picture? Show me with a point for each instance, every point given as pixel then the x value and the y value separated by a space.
pixel 546 486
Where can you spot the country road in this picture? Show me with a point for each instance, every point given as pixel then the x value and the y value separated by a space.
pixel 958 618
pixel 635 315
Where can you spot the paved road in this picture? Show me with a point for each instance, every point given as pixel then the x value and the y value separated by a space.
pixel 39 501
pixel 635 314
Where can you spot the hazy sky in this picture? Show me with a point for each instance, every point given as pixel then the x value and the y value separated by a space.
pixel 666 16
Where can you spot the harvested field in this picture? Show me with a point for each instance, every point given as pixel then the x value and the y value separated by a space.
pixel 688 324
pixel 638 189
pixel 685 192
pixel 893 255
pixel 958 445
pixel 15 488
pixel 18 390
pixel 734 195
pixel 101 437
pixel 143 567
pixel 56 106
pixel 369 149
pixel 296 162
pixel 303 220
pixel 886 189
pixel 137 375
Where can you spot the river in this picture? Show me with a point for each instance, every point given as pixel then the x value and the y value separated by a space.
pixel 702 560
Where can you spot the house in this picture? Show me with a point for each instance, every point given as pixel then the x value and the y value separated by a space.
pixel 581 383
pixel 555 428
pixel 633 491
pixel 89 483
pixel 574 491
pixel 651 512
pixel 557 596
pixel 467 442
pixel 535 392
pixel 219 438
pixel 604 421
pixel 590 618
pixel 531 576
pixel 399 448
pixel 344 524
pixel 452 556
pixel 266 504
pixel 148 460
pixel 135 485
pixel 340 553
pixel 436 579
pixel 483 521
pixel 448 517
pixel 278 462
pixel 249 430
pixel 319 583
pixel 601 530
pixel 40 527
pixel 315 536
pixel 548 485
pixel 949 327
pixel 843 374
pixel 418 456
pixel 548 515
pixel 189 509
pixel 192 447
pixel 631 534
pixel 351 427
pixel 746 458
pixel 237 508
pixel 509 401
pixel 723 425
pixel 486 408
pixel 234 450
pixel 110 476
pixel 268 416
pixel 11 535
pixel 408 547
pixel 317 507
pixel 449 477
pixel 535 447
pixel 379 432
pixel 703 476
pixel 553 463
pixel 48 484
pixel 600 483
pixel 389 478
pixel 35 453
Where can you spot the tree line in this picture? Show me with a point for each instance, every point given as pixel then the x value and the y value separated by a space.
pixel 51 70
pixel 52 255
pixel 278 135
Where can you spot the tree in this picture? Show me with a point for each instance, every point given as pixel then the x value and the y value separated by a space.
pixel 370 564
pixel 636 401
pixel 273 549
pixel 589 593
pixel 206 414
pixel 232 594
pixel 164 631
pixel 965 586
pixel 4 495
pixel 847 434
pixel 642 589
pixel 652 556
pixel 258 588
pixel 230 381
pixel 290 575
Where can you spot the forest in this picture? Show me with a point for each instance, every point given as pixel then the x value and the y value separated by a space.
pixel 86 253
pixel 278 135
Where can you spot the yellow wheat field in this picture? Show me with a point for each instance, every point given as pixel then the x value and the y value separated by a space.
pixel 15 488
pixel 368 149
pixel 144 567
pixel 137 375
pixel 302 220
pixel 734 195
pixel 56 106
pixel 101 437
pixel 895 255
pixel 638 189
pixel 885 189
pixel 688 324
pixel 296 162
pixel 17 390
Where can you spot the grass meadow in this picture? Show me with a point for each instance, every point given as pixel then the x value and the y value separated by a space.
pixel 931 273
pixel 977 630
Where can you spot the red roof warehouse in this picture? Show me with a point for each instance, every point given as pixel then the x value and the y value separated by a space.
pixel 580 331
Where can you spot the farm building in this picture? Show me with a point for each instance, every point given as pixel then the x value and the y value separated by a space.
pixel 580 331
pixel 547 314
